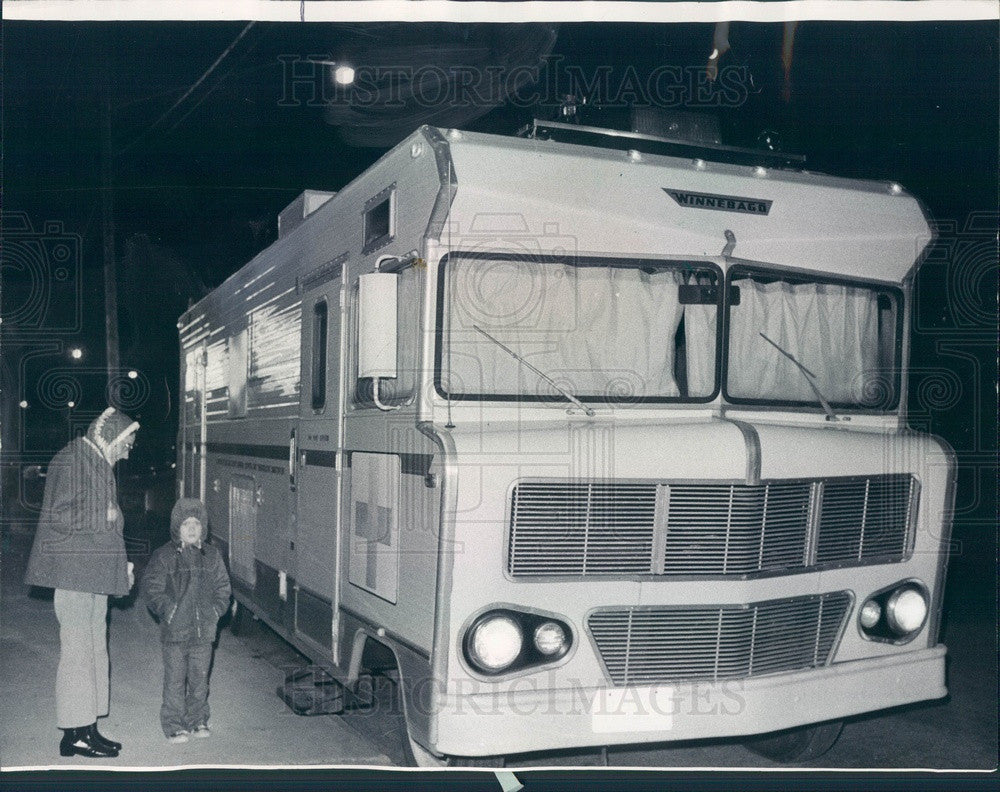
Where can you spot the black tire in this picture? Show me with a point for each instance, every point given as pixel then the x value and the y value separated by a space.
pixel 418 756
pixel 415 755
pixel 490 762
pixel 797 745
pixel 239 618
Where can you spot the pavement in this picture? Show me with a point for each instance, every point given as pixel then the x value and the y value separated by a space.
pixel 250 725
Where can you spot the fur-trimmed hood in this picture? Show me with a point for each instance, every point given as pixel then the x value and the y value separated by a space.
pixel 110 427
pixel 184 508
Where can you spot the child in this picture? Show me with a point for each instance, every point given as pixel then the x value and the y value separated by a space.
pixel 186 587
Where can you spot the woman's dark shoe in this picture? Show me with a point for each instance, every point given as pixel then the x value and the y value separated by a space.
pixel 78 742
pixel 100 739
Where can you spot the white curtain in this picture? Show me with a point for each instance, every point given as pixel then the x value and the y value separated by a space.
pixel 598 331
pixel 700 329
pixel 831 330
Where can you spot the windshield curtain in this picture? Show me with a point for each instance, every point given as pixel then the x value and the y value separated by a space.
pixel 835 331
pixel 607 332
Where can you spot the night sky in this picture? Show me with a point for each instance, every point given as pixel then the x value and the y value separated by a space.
pixel 205 159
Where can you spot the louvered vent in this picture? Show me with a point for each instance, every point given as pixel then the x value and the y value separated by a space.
pixel 680 529
pixel 656 645
pixel 736 529
pixel 580 529
pixel 864 518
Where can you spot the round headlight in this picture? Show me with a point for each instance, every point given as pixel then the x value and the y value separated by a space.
pixel 871 612
pixel 906 610
pixel 550 638
pixel 495 642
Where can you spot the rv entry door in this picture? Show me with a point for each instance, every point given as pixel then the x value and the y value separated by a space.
pixel 316 463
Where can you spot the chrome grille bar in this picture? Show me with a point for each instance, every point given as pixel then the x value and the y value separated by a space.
pixel 707 529
pixel 656 645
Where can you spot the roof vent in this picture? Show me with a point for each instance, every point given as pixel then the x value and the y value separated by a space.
pixel 298 210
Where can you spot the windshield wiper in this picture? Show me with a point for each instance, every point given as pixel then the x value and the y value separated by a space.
pixel 809 376
pixel 541 374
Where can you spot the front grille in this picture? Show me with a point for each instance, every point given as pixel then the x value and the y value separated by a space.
pixel 704 529
pixel 863 519
pixel 656 645
pixel 736 529
pixel 580 529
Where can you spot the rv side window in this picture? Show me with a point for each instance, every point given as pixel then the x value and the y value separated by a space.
pixel 193 384
pixel 380 220
pixel 216 385
pixel 274 359
pixel 236 356
pixel 319 355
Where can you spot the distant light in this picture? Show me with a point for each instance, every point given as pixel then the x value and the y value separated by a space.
pixel 24 404
pixel 76 353
pixel 71 404
pixel 133 374
pixel 344 75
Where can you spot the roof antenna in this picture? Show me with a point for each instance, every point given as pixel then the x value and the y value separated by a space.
pixel 727 251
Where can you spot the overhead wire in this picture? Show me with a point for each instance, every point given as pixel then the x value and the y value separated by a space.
pixel 189 91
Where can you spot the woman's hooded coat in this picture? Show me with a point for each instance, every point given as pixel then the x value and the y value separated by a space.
pixel 79 543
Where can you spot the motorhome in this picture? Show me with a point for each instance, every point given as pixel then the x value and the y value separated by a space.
pixel 601 439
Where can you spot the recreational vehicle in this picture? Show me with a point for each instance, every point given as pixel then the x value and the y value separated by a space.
pixel 601 439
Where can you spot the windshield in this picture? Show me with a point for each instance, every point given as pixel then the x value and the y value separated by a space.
pixel 604 330
pixel 844 336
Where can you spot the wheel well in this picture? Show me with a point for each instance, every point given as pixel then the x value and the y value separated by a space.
pixel 377 657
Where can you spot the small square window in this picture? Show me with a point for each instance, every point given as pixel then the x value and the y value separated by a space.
pixel 380 220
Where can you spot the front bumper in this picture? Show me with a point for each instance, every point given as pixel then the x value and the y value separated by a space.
pixel 525 717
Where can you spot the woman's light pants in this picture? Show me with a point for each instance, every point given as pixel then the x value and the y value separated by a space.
pixel 82 693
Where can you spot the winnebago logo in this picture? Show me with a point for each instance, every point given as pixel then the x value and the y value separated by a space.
pixel 723 203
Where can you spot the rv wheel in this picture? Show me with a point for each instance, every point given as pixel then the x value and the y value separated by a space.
pixel 421 757
pixel 418 756
pixel 476 761
pixel 239 618
pixel 797 745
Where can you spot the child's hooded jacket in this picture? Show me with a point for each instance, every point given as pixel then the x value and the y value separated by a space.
pixel 187 588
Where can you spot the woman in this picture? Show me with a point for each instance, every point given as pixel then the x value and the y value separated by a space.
pixel 79 550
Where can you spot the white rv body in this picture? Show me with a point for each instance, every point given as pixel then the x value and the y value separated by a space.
pixel 355 513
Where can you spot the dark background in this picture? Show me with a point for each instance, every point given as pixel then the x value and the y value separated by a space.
pixel 203 159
